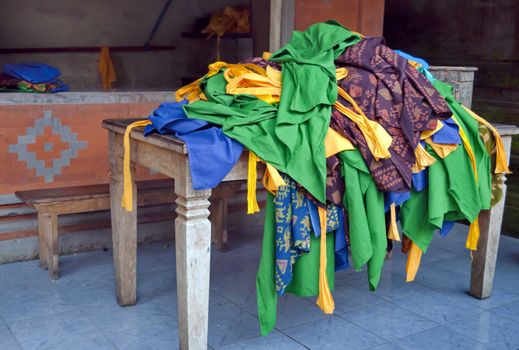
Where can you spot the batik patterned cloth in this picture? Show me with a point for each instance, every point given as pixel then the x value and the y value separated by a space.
pixel 393 93
pixel 293 229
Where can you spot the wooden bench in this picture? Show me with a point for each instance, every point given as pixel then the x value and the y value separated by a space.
pixel 50 203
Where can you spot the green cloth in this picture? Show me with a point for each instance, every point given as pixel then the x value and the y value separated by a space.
pixel 305 278
pixel 365 207
pixel 452 192
pixel 309 91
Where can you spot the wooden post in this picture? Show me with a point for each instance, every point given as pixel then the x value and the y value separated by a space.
pixel 484 258
pixel 193 252
pixel 124 226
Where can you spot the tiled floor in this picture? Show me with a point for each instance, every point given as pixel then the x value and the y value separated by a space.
pixel 79 310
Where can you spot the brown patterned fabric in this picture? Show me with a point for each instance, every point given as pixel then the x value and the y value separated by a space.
pixel 393 93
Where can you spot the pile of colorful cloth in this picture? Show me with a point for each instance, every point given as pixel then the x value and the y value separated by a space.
pixel 31 77
pixel 355 137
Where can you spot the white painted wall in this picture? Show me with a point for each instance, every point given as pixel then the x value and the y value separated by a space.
pixel 63 23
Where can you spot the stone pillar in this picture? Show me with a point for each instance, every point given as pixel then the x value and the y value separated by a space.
pixel 461 78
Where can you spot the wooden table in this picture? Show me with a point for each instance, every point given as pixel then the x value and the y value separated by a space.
pixel 168 156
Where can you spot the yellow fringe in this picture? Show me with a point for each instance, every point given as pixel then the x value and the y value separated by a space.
pixel 325 298
pixel 414 256
pixel 127 200
pixel 473 236
pixel 501 161
pixel 393 227
pixel 252 178
pixel 423 159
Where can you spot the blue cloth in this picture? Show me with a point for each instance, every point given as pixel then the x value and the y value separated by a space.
pixel 409 57
pixel 335 221
pixel 446 228
pixel 395 197
pixel 32 72
pixel 449 134
pixel 424 69
pixel 420 180
pixel 211 154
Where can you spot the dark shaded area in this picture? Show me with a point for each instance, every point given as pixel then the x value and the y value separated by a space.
pixel 483 34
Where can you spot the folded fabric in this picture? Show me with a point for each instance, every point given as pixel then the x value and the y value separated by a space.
pixel 211 154
pixel 32 72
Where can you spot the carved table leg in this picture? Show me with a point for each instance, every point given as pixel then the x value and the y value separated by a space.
pixel 193 252
pixel 124 229
pixel 484 258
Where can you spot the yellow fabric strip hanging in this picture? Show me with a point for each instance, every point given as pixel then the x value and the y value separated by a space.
pixel 252 179
pixel 127 200
pixel 414 256
pixel 474 232
pixel 501 161
pixel 393 227
pixel 377 139
pixel 422 159
pixel 473 236
pixel 325 298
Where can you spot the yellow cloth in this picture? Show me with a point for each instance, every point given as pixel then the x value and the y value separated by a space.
pixel 501 161
pixel 106 68
pixel 192 92
pixel 266 87
pixel 442 150
pixel 325 298
pixel 377 139
pixel 340 73
pixel 428 133
pixel 127 200
pixel 252 179
pixel 393 227
pixel 272 180
pixel 423 159
pixel 413 262
pixel 335 143
pixel 473 236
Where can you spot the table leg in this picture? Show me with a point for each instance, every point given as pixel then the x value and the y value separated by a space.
pixel 484 258
pixel 124 230
pixel 193 252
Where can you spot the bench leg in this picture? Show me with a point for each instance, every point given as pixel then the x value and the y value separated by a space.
pixel 49 227
pixel 124 234
pixel 193 255
pixel 42 241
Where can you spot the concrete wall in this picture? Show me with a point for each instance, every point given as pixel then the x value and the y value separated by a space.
pixel 68 23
